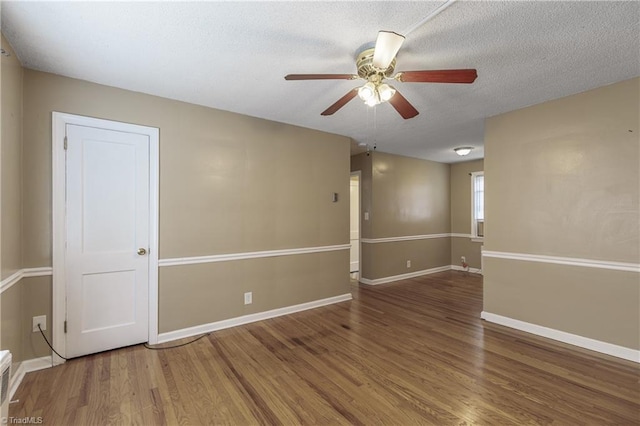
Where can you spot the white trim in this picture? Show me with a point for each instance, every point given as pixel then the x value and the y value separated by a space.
pixel 36 364
pixel 58 132
pixel 472 270
pixel 16 379
pixel 58 195
pixel 37 272
pixel 562 336
pixel 27 367
pixel 405 238
pixel 357 173
pixel 10 281
pixel 246 319
pixel 408 275
pixel 422 237
pixel 154 232
pixel 571 261
pixel 249 255
pixel 474 226
pixel 457 235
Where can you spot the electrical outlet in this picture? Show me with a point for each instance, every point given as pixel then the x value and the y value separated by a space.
pixel 248 298
pixel 463 259
pixel 42 320
pixel 408 264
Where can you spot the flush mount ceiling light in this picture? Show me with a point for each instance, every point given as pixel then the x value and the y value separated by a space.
pixel 463 150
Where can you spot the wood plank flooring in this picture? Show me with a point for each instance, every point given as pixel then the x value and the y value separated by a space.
pixel 411 352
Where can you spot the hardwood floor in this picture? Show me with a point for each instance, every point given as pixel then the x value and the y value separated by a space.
pixel 411 352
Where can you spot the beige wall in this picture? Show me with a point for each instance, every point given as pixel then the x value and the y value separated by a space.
pixel 381 260
pixel 36 300
pixel 228 184
pixel 405 197
pixel 461 213
pixel 411 196
pixel 11 162
pixel 20 303
pixel 12 300
pixel 11 321
pixel 567 173
pixel 274 282
pixel 2 42
pixel 590 302
pixel 471 250
pixel 562 179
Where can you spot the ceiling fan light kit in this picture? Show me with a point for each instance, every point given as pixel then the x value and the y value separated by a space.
pixel 375 65
pixel 386 92
pixel 367 91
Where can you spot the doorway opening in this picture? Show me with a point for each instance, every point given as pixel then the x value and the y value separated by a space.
pixel 354 225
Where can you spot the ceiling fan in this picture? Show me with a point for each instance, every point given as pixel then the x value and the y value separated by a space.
pixel 375 65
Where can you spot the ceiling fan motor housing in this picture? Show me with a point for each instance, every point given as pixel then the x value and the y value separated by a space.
pixel 366 70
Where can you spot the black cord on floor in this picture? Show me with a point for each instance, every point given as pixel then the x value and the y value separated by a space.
pixel 146 345
pixel 47 340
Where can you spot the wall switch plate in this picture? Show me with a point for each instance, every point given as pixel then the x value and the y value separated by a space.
pixel 248 298
pixel 366 215
pixel 42 320
pixel 408 264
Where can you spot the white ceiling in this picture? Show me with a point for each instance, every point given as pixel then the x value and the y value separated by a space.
pixel 234 55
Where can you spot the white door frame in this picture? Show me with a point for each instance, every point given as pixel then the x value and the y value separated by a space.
pixel 359 174
pixel 58 196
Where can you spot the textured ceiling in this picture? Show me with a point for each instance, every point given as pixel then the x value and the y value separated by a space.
pixel 234 55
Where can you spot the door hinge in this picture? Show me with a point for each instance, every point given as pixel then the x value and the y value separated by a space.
pixel 65 143
pixel 65 326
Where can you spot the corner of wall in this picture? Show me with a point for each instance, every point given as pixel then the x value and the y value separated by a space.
pixel 568 169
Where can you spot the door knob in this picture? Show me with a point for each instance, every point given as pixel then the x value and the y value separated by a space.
pixel 142 251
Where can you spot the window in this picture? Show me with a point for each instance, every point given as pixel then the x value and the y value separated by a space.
pixel 477 205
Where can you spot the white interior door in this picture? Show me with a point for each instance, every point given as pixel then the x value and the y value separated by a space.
pixel 107 241
pixel 354 263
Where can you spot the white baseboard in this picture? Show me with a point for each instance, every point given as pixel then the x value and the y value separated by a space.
pixel 472 270
pixel 246 319
pixel 27 367
pixel 408 275
pixel 562 336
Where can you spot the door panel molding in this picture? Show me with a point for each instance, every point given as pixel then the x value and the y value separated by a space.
pixel 59 231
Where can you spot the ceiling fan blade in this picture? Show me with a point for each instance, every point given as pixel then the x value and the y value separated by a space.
pixel 320 77
pixel 402 105
pixel 387 46
pixel 438 76
pixel 341 102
